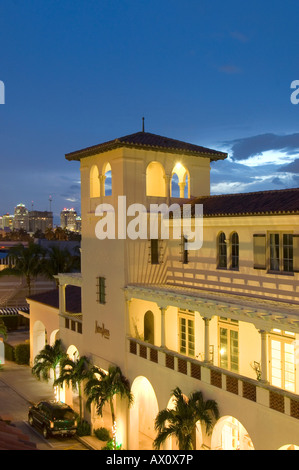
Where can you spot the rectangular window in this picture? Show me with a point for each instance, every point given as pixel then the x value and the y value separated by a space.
pixel 101 290
pixel 281 252
pixel 229 345
pixel 186 334
pixel 154 251
pixel 274 252
pixel 282 361
pixel 287 253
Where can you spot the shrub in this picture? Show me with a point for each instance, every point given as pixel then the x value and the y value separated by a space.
pixel 110 446
pixel 83 428
pixel 22 353
pixel 9 352
pixel 102 434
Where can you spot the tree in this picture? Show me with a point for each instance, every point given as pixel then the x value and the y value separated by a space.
pixel 101 388
pixel 180 421
pixel 48 359
pixel 73 373
pixel 60 260
pixel 28 262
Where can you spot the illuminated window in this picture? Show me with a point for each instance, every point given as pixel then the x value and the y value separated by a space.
pixel 94 182
pixel 228 344
pixel 180 182
pixel 186 334
pixel 155 180
pixel 282 359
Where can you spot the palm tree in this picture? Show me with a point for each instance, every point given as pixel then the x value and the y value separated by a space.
pixel 48 359
pixel 28 262
pixel 102 387
pixel 60 260
pixel 180 421
pixel 73 373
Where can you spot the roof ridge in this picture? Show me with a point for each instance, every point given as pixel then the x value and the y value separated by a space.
pixel 248 193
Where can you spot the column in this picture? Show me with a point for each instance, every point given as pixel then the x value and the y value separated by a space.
pixel 207 339
pixel 182 189
pixel 264 356
pixel 167 192
pixel 163 330
pixel 62 305
pixel 102 185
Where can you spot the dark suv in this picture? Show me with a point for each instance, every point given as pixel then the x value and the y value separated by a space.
pixel 54 418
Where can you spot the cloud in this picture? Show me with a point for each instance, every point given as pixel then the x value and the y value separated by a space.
pixel 292 167
pixel 245 148
pixel 230 69
pixel 239 36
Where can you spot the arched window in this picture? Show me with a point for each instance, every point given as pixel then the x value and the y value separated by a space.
pixel 222 251
pixel 94 182
pixel 234 242
pixel 155 180
pixel 108 179
pixel 149 324
pixel 180 182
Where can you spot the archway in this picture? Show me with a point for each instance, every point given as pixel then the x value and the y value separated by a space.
pixel 94 182
pixel 230 434
pixel 143 413
pixel 155 180
pixel 107 173
pixel 149 327
pixel 289 447
pixel 39 338
pixel 180 182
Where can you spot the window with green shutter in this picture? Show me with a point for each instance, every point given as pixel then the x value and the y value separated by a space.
pixel 101 290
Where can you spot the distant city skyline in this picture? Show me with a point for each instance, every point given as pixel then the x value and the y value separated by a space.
pixel 210 73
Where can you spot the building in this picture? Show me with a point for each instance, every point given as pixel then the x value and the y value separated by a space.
pixel 21 218
pixel 221 318
pixel 68 219
pixel 40 220
pixel 7 221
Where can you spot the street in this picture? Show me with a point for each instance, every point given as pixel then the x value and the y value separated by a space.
pixel 14 403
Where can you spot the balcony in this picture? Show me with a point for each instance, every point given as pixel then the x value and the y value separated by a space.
pixel 252 390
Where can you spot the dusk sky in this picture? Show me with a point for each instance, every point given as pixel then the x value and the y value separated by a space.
pixel 213 73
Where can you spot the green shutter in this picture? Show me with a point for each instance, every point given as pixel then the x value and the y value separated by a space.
pixel 296 253
pixel 259 251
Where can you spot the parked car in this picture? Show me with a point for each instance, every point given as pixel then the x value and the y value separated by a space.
pixel 53 418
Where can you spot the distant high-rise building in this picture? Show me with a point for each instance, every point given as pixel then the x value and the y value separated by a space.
pixel 7 221
pixel 21 219
pixel 68 219
pixel 78 223
pixel 40 220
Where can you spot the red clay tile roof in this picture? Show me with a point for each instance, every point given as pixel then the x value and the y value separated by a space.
pixel 12 438
pixel 51 298
pixel 148 141
pixel 284 201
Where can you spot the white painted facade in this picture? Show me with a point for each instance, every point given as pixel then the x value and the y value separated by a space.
pixel 257 310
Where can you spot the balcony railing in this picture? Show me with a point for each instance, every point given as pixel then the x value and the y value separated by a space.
pixel 253 390
pixel 72 321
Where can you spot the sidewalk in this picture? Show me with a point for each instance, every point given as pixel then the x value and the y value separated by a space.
pixel 21 380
